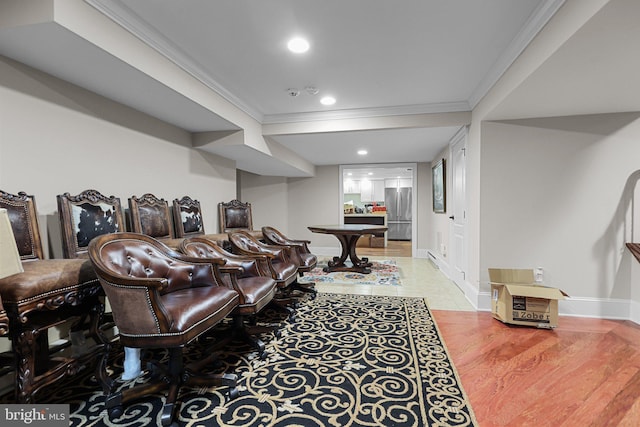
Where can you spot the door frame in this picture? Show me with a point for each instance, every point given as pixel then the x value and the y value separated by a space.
pixel 414 194
pixel 459 138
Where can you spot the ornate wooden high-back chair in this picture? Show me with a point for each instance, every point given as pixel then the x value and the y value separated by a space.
pixel 85 216
pixel 160 299
pixel 187 217
pixel 236 216
pixel 4 321
pixel 48 293
pixel 152 216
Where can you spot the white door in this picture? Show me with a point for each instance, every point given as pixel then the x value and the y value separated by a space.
pixel 458 208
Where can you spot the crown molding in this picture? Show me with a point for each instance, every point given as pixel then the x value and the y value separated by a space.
pixel 119 13
pixel 537 20
pixel 359 113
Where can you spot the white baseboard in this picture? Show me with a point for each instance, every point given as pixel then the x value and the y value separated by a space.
pixel 421 253
pixel 440 262
pixel 634 312
pixel 599 308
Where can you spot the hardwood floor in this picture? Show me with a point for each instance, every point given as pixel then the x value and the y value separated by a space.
pixel 584 373
pixel 395 248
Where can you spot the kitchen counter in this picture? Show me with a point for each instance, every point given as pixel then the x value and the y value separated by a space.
pixel 376 240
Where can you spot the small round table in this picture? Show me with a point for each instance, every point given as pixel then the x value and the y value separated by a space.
pixel 348 235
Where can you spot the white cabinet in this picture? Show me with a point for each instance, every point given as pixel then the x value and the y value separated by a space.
pixel 366 189
pixel 398 182
pixel 372 191
pixel 378 191
pixel 405 182
pixel 350 186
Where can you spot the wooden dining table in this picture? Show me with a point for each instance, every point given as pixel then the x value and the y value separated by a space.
pixel 348 235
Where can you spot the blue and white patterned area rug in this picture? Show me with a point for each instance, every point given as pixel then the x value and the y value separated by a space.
pixel 346 361
pixel 383 272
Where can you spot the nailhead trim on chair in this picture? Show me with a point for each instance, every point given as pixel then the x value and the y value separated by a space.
pixel 155 318
pixel 37 297
pixel 160 334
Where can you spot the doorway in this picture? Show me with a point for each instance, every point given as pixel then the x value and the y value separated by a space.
pixel 366 189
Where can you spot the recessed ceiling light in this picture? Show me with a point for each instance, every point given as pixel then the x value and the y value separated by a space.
pixel 370 173
pixel 362 152
pixel 298 45
pixel 328 100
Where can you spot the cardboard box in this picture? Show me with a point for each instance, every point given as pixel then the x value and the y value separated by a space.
pixel 364 241
pixel 377 242
pixel 516 299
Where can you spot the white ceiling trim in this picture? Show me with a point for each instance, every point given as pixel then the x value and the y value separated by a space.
pixel 130 21
pixel 360 113
pixel 538 19
pixel 118 12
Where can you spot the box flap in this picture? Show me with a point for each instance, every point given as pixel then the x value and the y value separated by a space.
pixel 535 291
pixel 510 275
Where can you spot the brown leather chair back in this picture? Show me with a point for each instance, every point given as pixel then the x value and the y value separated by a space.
pixel 187 217
pixel 246 241
pixel 85 216
pixel 151 216
pixel 198 247
pixel 23 216
pixel 235 216
pixel 139 256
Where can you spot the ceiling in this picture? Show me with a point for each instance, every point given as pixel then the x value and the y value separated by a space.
pixel 377 58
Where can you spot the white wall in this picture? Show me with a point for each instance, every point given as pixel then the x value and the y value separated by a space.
pixel 439 223
pixel 422 196
pixel 315 201
pixel 57 138
pixel 268 197
pixel 558 193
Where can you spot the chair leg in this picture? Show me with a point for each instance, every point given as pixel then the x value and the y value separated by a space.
pixel 282 305
pixel 176 370
pixel 172 377
pixel 305 287
pixel 240 331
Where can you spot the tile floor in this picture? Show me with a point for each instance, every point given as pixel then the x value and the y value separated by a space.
pixel 420 278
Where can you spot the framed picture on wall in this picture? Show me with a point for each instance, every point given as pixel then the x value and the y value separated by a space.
pixel 439 190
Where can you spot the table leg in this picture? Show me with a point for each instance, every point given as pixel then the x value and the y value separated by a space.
pixel 349 243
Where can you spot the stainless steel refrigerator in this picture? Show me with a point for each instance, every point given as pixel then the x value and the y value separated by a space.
pixel 398 203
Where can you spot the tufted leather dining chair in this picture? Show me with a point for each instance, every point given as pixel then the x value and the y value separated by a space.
pixel 245 275
pixel 300 254
pixel 280 266
pixel 152 216
pixel 160 299
pixel 48 293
